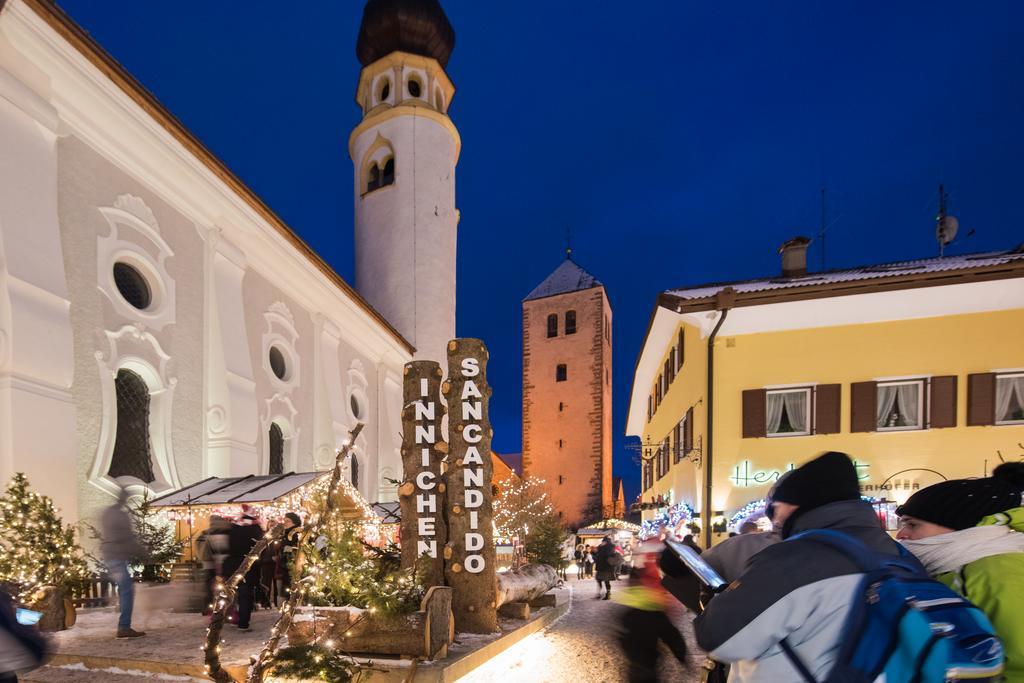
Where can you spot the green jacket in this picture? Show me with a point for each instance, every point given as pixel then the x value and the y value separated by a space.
pixel 996 585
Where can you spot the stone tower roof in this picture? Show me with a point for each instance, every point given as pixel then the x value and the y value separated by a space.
pixel 568 277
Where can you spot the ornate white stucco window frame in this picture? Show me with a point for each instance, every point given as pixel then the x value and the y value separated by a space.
pixel 279 409
pixel 355 394
pixel 133 348
pixel 135 239
pixel 281 334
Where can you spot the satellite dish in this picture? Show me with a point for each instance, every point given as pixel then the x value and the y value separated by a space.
pixel 945 229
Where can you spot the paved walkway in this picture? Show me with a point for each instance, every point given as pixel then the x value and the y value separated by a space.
pixel 580 648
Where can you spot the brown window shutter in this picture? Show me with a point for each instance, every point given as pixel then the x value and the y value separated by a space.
pixel 981 399
pixel 754 418
pixel 688 432
pixel 942 402
pixel 826 409
pixel 863 399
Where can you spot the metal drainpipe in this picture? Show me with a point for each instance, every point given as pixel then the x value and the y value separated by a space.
pixel 709 450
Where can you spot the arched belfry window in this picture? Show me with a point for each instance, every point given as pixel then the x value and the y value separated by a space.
pixel 132 453
pixel 373 178
pixel 570 322
pixel 378 164
pixel 553 325
pixel 378 177
pixel 355 471
pixel 276 449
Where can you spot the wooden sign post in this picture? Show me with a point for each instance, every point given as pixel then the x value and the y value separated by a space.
pixel 469 554
pixel 422 493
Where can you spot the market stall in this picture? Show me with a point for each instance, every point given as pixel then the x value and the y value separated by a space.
pixel 272 497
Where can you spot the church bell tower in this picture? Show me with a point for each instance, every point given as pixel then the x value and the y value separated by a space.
pixel 404 152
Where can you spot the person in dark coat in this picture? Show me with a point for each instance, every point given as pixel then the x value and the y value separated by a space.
pixel 644 623
pixel 606 563
pixel 289 544
pixel 23 648
pixel 120 545
pixel 800 590
pixel 244 534
pixel 588 562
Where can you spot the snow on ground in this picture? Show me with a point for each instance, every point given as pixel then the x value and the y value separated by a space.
pixel 581 646
pixel 78 673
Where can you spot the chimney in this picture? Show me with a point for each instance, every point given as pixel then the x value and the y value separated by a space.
pixel 794 256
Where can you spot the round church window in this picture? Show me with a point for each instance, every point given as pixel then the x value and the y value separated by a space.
pixel 132 285
pixel 277 364
pixel 357 410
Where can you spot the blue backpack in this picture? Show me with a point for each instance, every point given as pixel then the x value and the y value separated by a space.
pixel 905 627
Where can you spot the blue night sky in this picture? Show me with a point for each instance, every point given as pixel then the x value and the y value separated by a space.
pixel 681 141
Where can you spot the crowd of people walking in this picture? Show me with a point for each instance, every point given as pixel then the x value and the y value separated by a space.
pixel 829 595
pixel 224 546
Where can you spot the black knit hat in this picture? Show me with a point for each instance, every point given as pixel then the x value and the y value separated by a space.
pixel 962 503
pixel 828 478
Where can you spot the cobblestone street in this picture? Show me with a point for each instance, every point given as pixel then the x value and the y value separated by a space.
pixel 581 647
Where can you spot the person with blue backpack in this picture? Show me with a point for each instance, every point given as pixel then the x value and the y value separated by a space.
pixel 968 534
pixel 838 600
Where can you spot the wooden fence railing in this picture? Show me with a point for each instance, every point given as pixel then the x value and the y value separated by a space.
pixel 99 591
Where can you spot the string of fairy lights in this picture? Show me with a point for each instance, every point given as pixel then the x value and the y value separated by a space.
pixel 679 513
pixel 311 530
pixel 519 504
pixel 225 591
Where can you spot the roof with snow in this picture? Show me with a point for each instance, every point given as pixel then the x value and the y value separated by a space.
pixel 915 271
pixel 568 277
pixel 237 490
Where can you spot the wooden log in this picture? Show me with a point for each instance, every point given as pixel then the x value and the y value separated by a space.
pixel 470 554
pixel 421 495
pixel 309 623
pixel 426 633
pixel 515 610
pixel 438 634
pixel 525 584
pixel 50 601
pixel 544 601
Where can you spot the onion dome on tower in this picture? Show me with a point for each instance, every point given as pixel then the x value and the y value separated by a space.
pixel 419 27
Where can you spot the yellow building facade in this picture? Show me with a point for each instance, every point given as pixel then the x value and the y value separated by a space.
pixel 916 370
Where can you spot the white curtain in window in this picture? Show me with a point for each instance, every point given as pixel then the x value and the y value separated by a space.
pixel 1006 389
pixel 774 412
pixel 796 409
pixel 907 399
pixel 886 401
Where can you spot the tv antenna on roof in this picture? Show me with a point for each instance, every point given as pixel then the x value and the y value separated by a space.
pixel 946 226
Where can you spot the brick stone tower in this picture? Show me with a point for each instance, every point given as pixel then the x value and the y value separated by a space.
pixel 567 392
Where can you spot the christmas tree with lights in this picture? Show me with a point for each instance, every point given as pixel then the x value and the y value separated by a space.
pixel 349 572
pixel 38 550
pixel 520 505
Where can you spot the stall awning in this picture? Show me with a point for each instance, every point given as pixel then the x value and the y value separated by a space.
pixel 389 513
pixel 238 490
pixel 274 494
pixel 608 527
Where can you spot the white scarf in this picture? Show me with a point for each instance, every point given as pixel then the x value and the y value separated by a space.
pixel 949 552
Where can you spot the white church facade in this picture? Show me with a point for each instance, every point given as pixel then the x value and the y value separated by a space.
pixel 159 324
